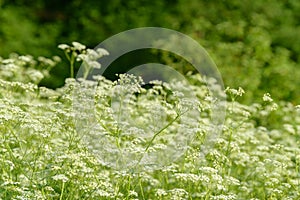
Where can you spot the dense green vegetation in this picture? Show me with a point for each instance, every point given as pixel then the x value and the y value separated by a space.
pixel 53 148
pixel 256 44
pixel 62 138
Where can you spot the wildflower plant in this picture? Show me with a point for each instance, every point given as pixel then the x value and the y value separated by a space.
pixel 26 68
pixel 79 53
pixel 159 139
pixel 45 156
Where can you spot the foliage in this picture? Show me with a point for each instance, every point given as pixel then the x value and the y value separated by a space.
pixel 255 44
pixel 43 154
pixel 249 43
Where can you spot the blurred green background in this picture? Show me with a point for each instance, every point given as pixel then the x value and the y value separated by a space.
pixel 255 44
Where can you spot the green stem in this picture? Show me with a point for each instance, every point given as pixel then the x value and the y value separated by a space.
pixel 71 60
pixel 156 134
pixel 72 66
pixel 128 187
pixel 86 70
pixel 161 130
pixel 141 188
pixel 62 191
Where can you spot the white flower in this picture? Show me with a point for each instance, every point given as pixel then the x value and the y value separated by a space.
pixel 47 61
pixel 10 164
pixel 35 75
pixel 60 177
pixel 63 46
pixel 241 91
pixel 7 61
pixel 94 64
pixel 267 98
pixel 25 58
pixel 92 54
pixel 274 107
pixel 81 57
pixel 56 59
pixel 78 46
pixel 133 193
pixel 289 128
pixel 160 192
pixel 178 193
pixel 50 189
pixel 234 93
pixel 102 52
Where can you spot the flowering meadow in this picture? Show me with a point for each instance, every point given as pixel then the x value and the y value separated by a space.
pixel 139 143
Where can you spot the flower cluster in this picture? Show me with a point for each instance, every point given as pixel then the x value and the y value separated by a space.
pixel 89 57
pixel 66 143
pixel 26 69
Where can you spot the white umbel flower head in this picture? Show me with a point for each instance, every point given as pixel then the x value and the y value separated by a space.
pixel 78 46
pixel 267 98
pixel 60 177
pixel 63 46
pixel 102 52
